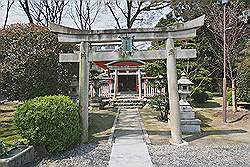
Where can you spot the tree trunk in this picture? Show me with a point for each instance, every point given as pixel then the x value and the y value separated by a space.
pixel 234 99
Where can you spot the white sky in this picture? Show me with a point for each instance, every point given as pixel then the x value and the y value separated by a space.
pixel 104 19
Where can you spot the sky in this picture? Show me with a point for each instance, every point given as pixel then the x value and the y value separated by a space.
pixel 103 21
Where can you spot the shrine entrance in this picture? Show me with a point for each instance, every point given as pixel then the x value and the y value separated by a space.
pixel 127 52
pixel 127 84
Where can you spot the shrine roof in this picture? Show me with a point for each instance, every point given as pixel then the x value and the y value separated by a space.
pixel 105 65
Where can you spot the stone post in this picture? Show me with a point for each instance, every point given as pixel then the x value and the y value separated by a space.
pixel 139 83
pixel 110 87
pixel 83 89
pixel 116 83
pixel 145 88
pixel 175 119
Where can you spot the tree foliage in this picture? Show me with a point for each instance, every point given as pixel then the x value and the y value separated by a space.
pixel 206 70
pixel 29 63
pixel 196 69
pixel 243 83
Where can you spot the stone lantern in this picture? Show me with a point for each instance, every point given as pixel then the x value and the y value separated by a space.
pixel 74 88
pixel 188 121
pixel 184 89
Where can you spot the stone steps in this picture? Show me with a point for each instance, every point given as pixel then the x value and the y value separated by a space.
pixel 128 103
pixel 128 107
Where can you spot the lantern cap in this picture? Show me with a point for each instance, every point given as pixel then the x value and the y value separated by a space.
pixel 184 80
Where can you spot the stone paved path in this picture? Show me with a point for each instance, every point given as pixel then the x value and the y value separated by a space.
pixel 129 148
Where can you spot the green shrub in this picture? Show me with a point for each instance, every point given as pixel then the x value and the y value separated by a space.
pixel 210 95
pixel 160 103
pixel 200 96
pixel 52 121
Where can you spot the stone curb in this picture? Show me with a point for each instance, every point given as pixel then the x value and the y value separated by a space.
pixel 111 137
pixel 20 159
pixel 145 134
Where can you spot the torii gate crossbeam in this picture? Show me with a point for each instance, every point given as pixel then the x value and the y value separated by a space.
pixel 87 37
pixel 182 30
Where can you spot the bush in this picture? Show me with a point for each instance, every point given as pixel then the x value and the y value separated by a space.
pixel 200 96
pixel 160 103
pixel 52 121
pixel 210 95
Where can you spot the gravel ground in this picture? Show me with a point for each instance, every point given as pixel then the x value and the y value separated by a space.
pixel 93 155
pixel 234 155
pixel 84 155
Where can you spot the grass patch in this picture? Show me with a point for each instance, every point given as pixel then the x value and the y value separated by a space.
pixel 13 138
pixel 8 107
pixel 8 133
pixel 158 131
pixel 100 124
pixel 206 118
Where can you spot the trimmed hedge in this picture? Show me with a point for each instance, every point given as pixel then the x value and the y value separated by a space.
pixel 52 121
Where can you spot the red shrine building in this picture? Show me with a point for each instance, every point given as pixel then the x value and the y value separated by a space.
pixel 125 78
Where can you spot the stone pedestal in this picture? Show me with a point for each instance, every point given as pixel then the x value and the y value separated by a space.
pixel 188 121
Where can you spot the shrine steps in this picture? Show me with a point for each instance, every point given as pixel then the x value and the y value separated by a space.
pixel 128 102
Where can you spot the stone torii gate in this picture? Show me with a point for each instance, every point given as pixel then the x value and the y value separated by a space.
pixel 87 37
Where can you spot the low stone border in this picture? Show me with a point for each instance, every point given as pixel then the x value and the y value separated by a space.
pixel 24 157
pixel 145 134
pixel 111 137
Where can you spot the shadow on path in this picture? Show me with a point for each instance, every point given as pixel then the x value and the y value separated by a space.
pixel 207 104
pixel 240 118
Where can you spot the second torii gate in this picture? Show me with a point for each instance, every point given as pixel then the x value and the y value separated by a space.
pixel 87 37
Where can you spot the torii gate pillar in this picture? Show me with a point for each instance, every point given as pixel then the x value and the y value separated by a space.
pixel 83 89
pixel 175 119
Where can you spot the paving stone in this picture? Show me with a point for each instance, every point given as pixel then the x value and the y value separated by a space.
pixel 129 148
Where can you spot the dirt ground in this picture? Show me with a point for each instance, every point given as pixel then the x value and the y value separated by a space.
pixel 237 128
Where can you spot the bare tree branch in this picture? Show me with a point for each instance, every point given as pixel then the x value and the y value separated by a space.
pixel 8 7
pixel 131 11
pixel 25 6
pixel 114 15
pixel 84 13
pixel 43 11
pixel 235 33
